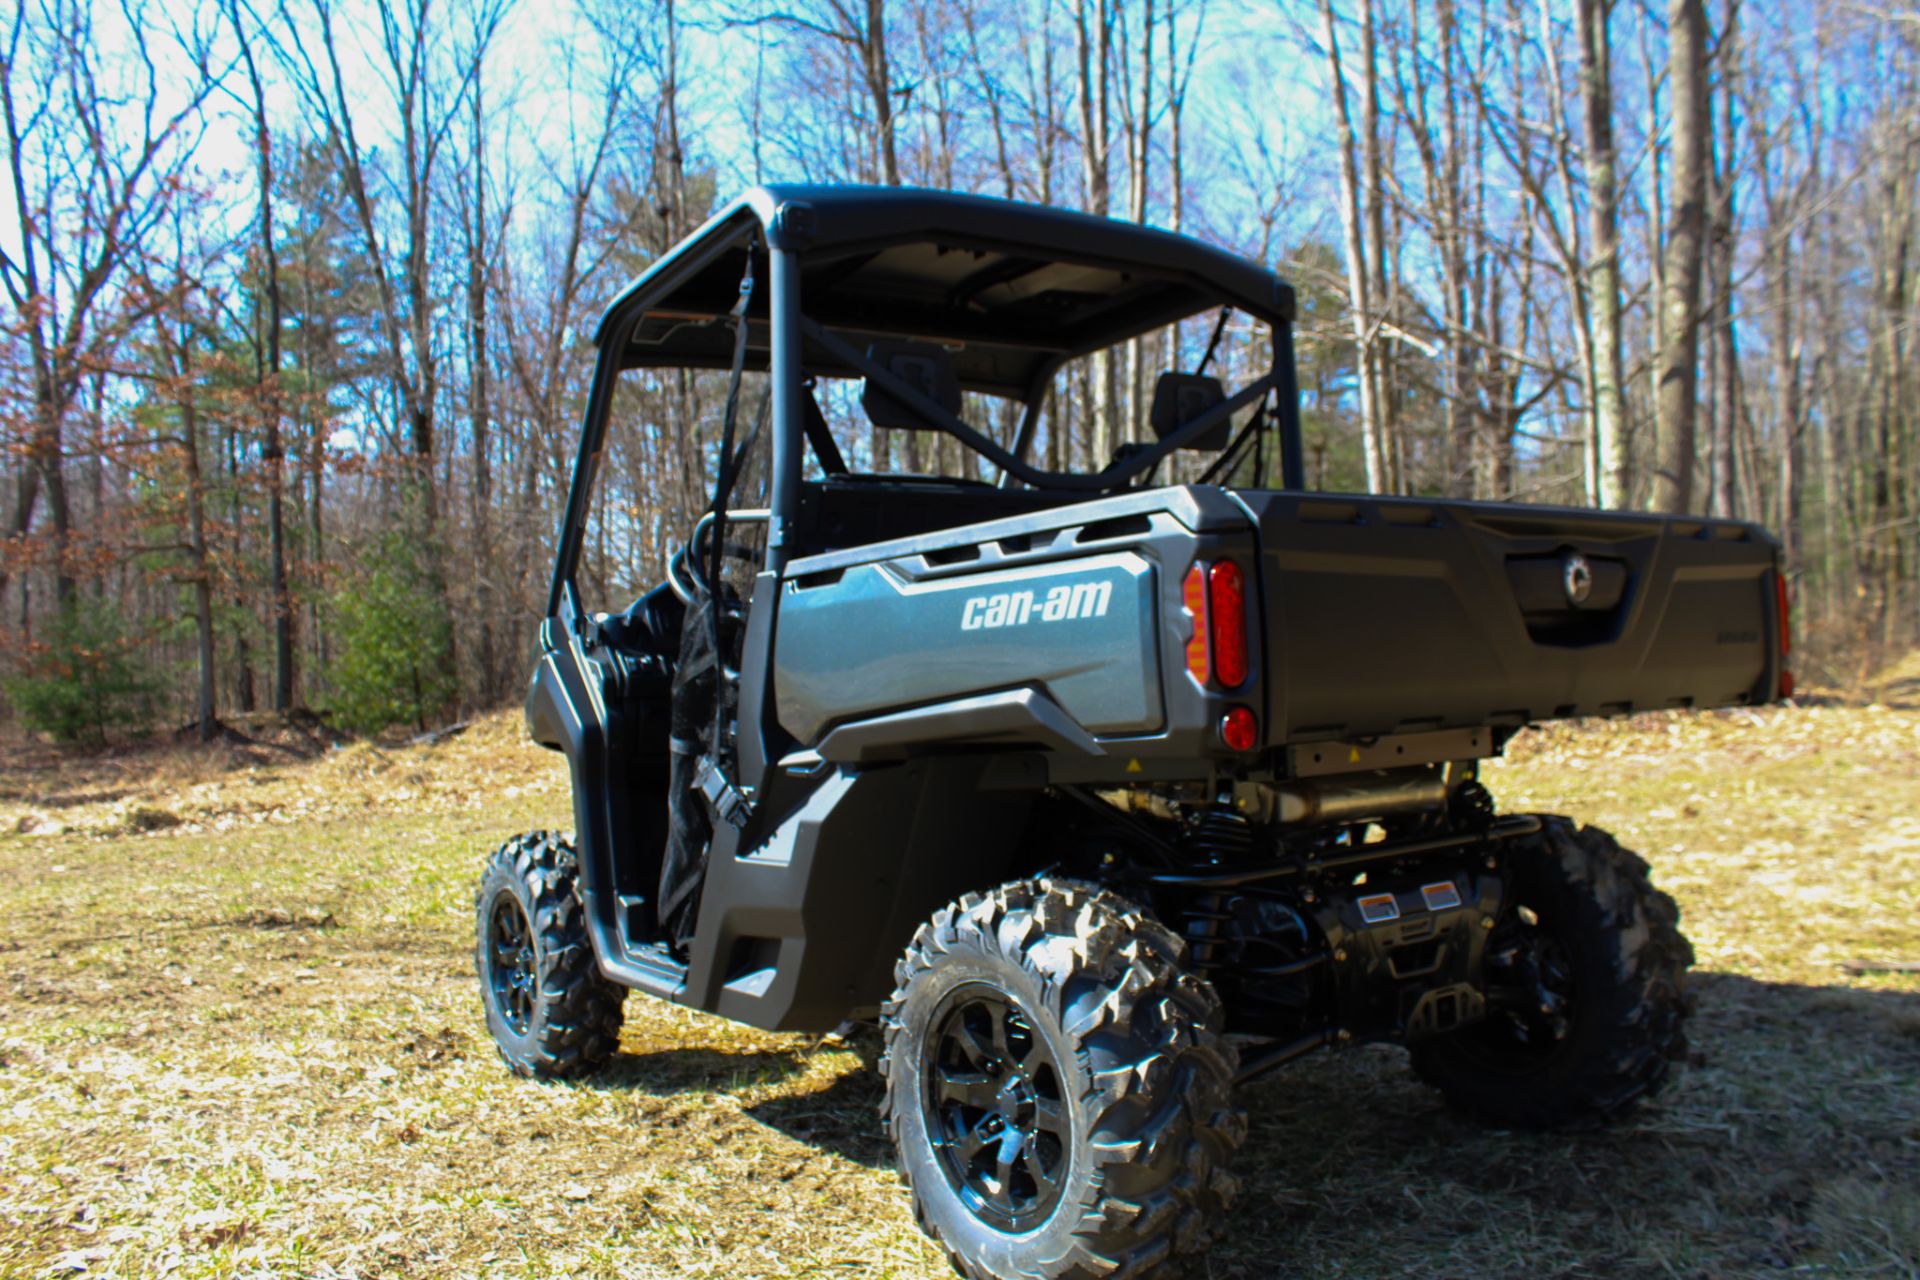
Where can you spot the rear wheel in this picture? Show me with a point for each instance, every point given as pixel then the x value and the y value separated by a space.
pixel 550 1012
pixel 1058 1089
pixel 1586 990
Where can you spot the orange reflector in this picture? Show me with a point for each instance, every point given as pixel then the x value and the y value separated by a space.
pixel 1239 730
pixel 1227 619
pixel 1199 666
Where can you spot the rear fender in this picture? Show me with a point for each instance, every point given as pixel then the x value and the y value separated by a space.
pixel 800 930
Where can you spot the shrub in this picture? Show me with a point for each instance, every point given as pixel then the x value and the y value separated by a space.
pixel 392 640
pixel 83 679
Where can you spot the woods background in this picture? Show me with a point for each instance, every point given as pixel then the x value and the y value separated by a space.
pixel 299 298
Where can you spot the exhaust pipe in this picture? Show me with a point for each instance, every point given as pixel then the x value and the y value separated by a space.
pixel 1346 798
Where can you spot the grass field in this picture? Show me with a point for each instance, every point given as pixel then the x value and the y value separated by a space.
pixel 239 1036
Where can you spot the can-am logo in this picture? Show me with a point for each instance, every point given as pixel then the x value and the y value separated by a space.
pixel 1018 608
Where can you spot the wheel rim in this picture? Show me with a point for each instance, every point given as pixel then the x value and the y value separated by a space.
pixel 1531 993
pixel 511 978
pixel 997 1117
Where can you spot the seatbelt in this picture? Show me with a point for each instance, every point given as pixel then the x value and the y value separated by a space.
pixel 714 777
pixel 1213 343
pixel 729 465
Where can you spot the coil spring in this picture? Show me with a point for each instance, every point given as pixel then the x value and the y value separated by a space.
pixel 1214 836
pixel 1220 835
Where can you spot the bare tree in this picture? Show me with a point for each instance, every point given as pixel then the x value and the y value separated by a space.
pixel 428 99
pixel 859 29
pixel 94 163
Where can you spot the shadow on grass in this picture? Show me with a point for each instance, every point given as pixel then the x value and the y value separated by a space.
pixel 1791 1142
pixel 695 1070
pixel 843 1118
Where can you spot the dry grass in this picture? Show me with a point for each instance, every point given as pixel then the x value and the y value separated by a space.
pixel 239 1037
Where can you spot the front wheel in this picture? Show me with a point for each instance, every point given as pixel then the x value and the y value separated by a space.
pixel 551 1013
pixel 1586 990
pixel 1058 1090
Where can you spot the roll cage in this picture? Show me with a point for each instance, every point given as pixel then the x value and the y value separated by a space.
pixel 1012 291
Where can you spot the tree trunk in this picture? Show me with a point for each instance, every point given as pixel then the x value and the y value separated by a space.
pixel 1385 399
pixel 273 451
pixel 880 85
pixel 1722 473
pixel 1352 229
pixel 1139 177
pixel 205 714
pixel 1680 289
pixel 1613 465
pixel 242 649
pixel 479 410
pixel 1094 49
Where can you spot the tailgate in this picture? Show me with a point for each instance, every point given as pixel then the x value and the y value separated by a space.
pixel 1389 615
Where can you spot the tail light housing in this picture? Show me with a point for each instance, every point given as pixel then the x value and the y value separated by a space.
pixel 1783 609
pixel 1216 599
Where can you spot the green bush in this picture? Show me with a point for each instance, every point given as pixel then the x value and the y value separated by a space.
pixel 392 640
pixel 83 679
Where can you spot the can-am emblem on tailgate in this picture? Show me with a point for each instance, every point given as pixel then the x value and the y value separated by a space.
pixel 1017 608
pixel 1577 576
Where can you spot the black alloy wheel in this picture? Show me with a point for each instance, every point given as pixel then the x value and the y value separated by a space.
pixel 1532 994
pixel 511 979
pixel 998 1119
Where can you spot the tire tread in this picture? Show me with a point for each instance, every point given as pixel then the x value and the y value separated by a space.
pixel 1164 1111
pixel 1645 1044
pixel 579 1012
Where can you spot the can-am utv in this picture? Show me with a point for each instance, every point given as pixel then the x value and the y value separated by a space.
pixel 1103 795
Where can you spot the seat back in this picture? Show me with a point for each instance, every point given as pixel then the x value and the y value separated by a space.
pixel 1179 398
pixel 927 367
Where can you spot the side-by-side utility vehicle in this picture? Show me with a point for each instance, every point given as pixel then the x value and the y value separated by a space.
pixel 1102 794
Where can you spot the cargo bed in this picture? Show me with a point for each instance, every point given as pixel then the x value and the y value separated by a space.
pixel 1396 615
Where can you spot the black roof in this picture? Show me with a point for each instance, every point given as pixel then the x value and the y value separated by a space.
pixel 1011 288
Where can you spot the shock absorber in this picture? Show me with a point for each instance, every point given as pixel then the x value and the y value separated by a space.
pixel 1214 836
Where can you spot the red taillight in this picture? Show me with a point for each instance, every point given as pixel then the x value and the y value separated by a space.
pixel 1216 601
pixel 1227 623
pixel 1198 664
pixel 1784 608
pixel 1239 730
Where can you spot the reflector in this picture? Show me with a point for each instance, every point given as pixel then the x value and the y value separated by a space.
pixel 1199 665
pixel 1239 730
